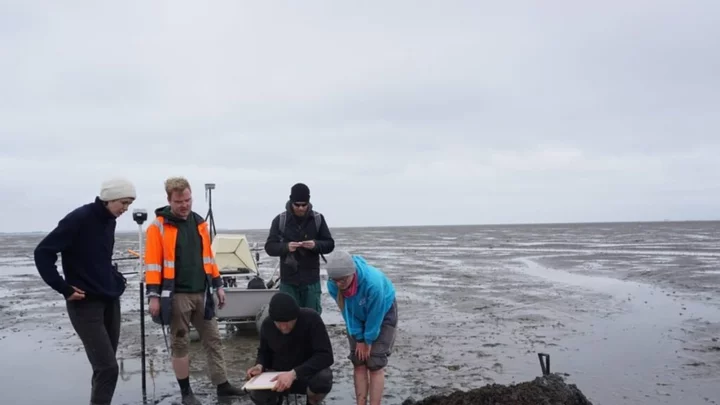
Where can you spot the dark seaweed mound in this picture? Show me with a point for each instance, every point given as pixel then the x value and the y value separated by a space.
pixel 547 390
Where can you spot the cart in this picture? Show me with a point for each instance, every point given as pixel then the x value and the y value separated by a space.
pixel 247 294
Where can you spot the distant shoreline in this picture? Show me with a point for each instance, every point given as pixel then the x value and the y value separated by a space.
pixel 438 226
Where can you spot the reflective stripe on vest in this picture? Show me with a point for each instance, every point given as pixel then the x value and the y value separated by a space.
pixel 154 266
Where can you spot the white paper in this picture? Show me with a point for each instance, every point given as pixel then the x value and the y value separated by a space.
pixel 262 381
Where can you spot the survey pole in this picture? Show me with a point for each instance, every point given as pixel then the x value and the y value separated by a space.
pixel 140 216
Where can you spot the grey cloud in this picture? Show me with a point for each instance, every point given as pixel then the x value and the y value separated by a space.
pixel 494 112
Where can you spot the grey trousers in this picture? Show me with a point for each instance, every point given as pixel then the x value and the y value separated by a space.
pixel 97 323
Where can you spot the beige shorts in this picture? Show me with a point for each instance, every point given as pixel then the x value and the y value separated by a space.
pixel 189 309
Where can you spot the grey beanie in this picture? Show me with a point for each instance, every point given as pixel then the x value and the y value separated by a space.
pixel 340 264
pixel 117 188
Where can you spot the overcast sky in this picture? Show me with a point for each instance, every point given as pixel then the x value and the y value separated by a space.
pixel 394 113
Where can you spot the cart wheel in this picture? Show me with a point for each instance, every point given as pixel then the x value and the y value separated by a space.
pixel 262 314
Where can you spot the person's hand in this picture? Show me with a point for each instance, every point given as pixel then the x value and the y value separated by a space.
pixel 308 244
pixel 294 245
pixel 154 306
pixel 77 295
pixel 221 297
pixel 362 351
pixel 283 381
pixel 254 370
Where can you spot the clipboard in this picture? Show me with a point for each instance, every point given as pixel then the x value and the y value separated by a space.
pixel 262 381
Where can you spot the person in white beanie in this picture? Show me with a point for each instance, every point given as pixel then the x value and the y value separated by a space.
pixel 366 298
pixel 92 286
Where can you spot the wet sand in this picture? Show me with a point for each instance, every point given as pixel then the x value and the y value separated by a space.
pixel 628 312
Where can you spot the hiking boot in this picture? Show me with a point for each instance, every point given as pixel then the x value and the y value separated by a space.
pixel 228 390
pixel 189 399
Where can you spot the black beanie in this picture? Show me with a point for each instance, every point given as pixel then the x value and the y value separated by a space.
pixel 300 193
pixel 283 307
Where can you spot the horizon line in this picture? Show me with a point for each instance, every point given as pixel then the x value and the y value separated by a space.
pixel 438 226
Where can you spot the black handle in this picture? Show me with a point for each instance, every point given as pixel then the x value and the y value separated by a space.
pixel 544 365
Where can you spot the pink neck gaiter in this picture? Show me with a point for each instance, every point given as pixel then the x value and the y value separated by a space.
pixel 352 289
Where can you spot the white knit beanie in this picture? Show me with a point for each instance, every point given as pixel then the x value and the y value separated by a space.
pixel 115 189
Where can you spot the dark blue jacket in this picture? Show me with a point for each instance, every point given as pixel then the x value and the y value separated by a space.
pixel 85 238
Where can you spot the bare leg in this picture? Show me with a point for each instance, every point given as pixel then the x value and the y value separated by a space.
pixel 360 376
pixel 314 398
pixel 181 365
pixel 377 386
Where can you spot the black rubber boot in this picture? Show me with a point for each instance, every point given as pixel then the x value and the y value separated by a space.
pixel 228 390
pixel 190 399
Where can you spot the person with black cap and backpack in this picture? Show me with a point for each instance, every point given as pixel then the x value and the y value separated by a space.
pixel 300 237
pixel 293 340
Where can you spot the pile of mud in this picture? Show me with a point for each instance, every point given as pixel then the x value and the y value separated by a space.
pixel 548 390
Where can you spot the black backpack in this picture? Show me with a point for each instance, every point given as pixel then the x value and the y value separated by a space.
pixel 283 219
pixel 256 283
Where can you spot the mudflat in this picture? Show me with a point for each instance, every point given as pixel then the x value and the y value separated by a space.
pixel 627 312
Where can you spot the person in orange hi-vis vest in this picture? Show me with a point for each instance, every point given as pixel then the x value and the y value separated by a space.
pixel 180 273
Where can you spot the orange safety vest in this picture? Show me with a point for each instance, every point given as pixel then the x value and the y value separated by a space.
pixel 160 257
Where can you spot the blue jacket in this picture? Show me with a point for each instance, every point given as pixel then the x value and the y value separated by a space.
pixel 85 239
pixel 364 312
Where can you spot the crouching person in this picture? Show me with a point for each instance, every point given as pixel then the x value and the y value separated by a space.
pixel 293 340
pixel 366 298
